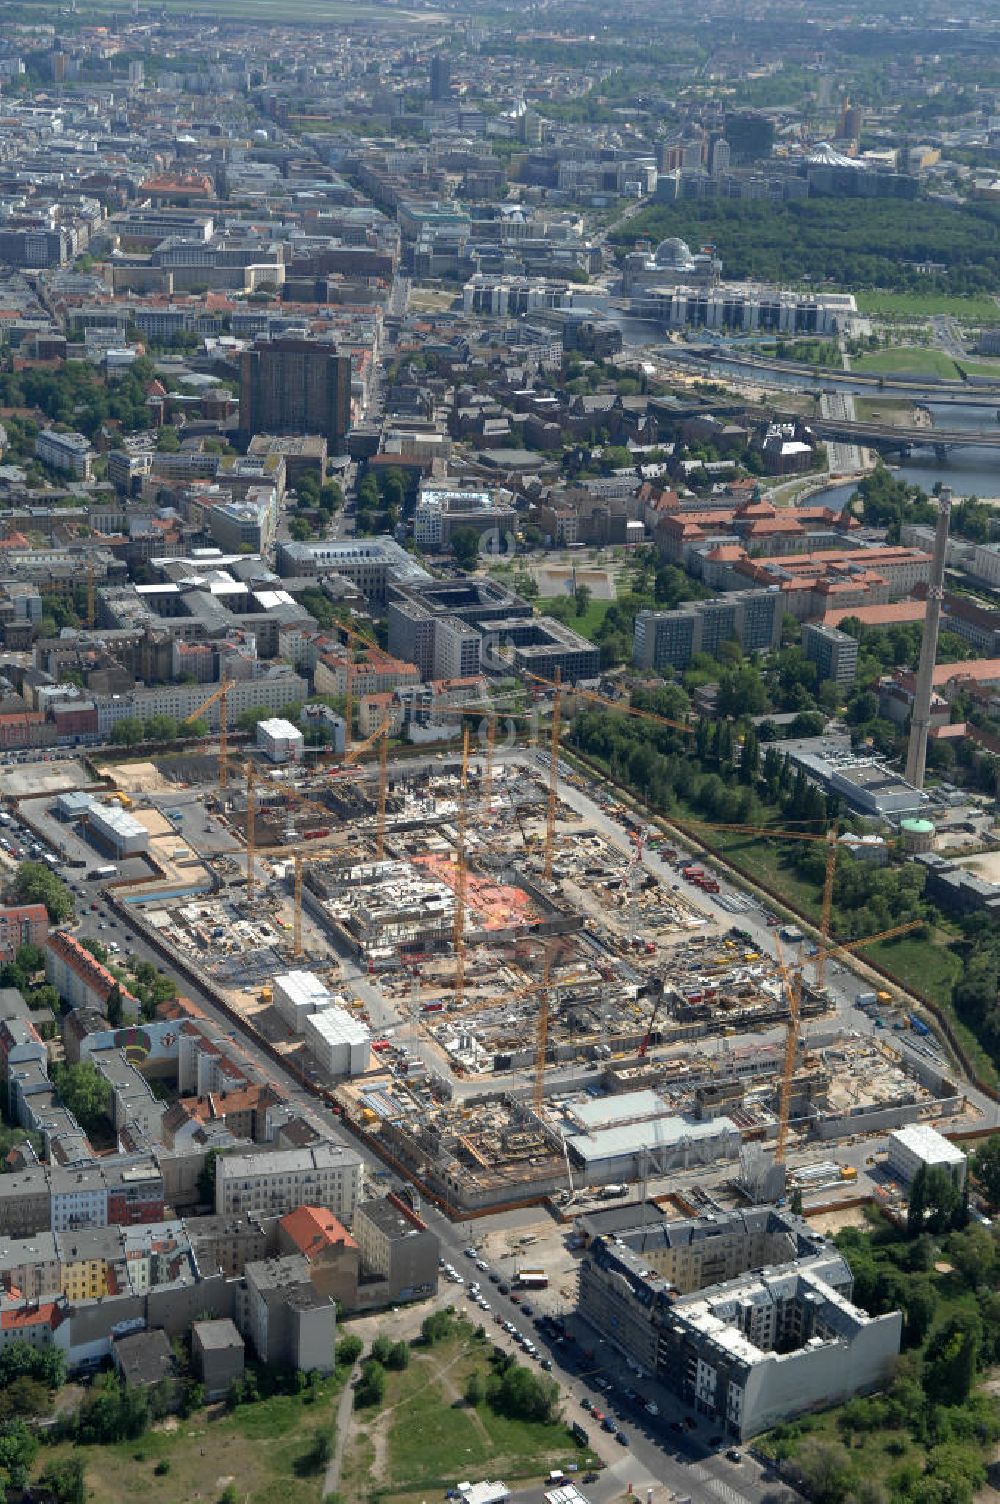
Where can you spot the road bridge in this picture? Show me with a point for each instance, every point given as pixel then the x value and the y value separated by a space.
pixel 889 439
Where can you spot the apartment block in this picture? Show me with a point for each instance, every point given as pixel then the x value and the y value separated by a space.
pixel 834 653
pixel 70 452
pixel 398 1246
pixel 271 1184
pixel 670 639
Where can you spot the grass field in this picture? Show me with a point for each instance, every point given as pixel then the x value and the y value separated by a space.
pixel 425 1438
pixel 909 358
pixel 896 410
pixel 981 368
pixel 588 623
pixel 916 305
pixel 263 1446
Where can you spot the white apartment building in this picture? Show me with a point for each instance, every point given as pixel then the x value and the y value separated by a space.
pixel 270 1185
pixel 70 452
pixel 275 689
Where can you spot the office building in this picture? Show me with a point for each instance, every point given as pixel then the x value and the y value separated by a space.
pixel 747 1316
pixel 297 994
pixel 834 653
pixel 440 77
pixel 670 639
pixel 298 386
pixel 919 1146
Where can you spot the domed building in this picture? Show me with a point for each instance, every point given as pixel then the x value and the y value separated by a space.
pixel 672 264
pixel 675 254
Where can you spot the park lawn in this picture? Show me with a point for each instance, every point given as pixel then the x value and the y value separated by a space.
pixel 262 1446
pixel 915 305
pixel 911 359
pixel 588 623
pixel 981 368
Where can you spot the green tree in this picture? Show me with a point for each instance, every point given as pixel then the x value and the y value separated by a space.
pixel 34 882
pixel 370 1389
pixel 128 732
pixel 168 440
pixel 349 1350
pixel 952 1355
pixel 29 959
pixel 465 546
pixel 985 1166
pixel 398 1356
pixel 581 599
pixel 66 1480
pixel 206 1180
pixel 84 1092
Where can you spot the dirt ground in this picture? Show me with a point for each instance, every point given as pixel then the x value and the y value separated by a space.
pixel 986 865
pixel 137 777
pixel 830 1223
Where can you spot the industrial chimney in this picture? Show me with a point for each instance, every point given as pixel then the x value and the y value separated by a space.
pixel 916 752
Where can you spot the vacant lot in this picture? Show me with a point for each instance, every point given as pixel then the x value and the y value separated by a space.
pixel 425 1437
pixel 264 1446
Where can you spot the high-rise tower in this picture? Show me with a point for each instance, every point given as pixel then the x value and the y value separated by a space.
pixel 916 752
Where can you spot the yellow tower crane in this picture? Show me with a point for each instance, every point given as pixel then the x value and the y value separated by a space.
pixel 383 791
pixel 297 906
pixel 550 822
pixel 251 777
pixel 793 989
pixel 542 1034
pixel 487 782
pixel 218 696
pixel 458 926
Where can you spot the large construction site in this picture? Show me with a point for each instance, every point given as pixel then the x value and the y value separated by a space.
pixel 517 988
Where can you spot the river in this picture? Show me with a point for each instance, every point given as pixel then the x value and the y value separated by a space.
pixel 969 472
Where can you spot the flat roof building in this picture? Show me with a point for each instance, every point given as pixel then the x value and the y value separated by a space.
pixel 919 1146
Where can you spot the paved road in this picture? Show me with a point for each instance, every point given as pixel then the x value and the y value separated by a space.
pixel 684 1459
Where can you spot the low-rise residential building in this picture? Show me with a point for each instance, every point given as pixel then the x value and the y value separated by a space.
pixel 23 924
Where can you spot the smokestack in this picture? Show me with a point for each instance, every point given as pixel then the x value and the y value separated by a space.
pixel 916 752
